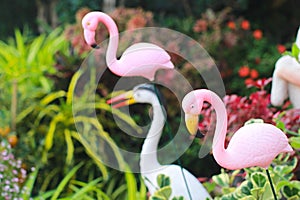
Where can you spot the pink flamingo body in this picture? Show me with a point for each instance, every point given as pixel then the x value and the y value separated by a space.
pixel 141 59
pixel 255 144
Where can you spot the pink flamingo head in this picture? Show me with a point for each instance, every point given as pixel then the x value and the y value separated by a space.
pixel 89 24
pixel 192 107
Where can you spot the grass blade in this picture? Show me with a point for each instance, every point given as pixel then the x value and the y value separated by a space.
pixel 65 181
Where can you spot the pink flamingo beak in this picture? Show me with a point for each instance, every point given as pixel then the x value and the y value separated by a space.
pixel 89 37
pixel 123 99
pixel 191 122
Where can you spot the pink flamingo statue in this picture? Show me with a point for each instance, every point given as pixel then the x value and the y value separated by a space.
pixel 141 59
pixel 286 79
pixel 255 144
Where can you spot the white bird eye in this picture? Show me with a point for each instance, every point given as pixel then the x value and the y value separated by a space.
pixel 192 106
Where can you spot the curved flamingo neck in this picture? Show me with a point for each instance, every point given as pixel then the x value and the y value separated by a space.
pixel 148 157
pixel 111 53
pixel 219 151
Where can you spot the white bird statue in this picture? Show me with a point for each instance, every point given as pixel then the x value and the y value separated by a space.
pixel 286 79
pixel 183 183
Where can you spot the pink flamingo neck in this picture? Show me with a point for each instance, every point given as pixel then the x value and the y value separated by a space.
pixel 111 53
pixel 219 151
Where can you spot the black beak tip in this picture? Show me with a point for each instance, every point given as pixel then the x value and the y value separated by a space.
pixel 199 134
pixel 95 46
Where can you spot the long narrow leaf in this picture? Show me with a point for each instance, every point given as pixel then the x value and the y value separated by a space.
pixel 72 87
pixel 34 48
pixel 131 185
pixel 49 136
pixel 70 146
pixel 29 184
pixel 104 135
pixel 65 181
pixel 53 96
pixel 20 42
pixel 86 188
pixel 92 154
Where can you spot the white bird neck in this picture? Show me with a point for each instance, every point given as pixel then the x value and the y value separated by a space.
pixel 148 158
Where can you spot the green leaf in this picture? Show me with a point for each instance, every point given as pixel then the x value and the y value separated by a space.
pixel 92 154
pixel 164 192
pixel 228 197
pixel 246 187
pixel 268 194
pixel 178 198
pixel 228 190
pixel 257 192
pixel 295 51
pixel 70 147
pixel 131 185
pixel 295 142
pixel 163 180
pixel 29 184
pixel 221 179
pixel 209 186
pixel 291 189
pixel 247 198
pixel 72 86
pixel 51 97
pixel 88 187
pixel 280 125
pixel 258 179
pixel 65 181
pixel 142 193
pixel 156 197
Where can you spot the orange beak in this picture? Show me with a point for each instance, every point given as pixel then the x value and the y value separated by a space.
pixel 122 100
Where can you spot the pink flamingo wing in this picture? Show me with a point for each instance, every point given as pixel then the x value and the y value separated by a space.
pixel 257 145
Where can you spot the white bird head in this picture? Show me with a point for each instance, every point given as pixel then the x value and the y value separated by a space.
pixel 143 93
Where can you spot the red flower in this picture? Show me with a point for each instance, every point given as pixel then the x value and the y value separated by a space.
pixel 281 48
pixel 257 34
pixel 245 25
pixel 249 82
pixel 253 73
pixel 244 71
pixel 200 26
pixel 260 84
pixel 231 25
